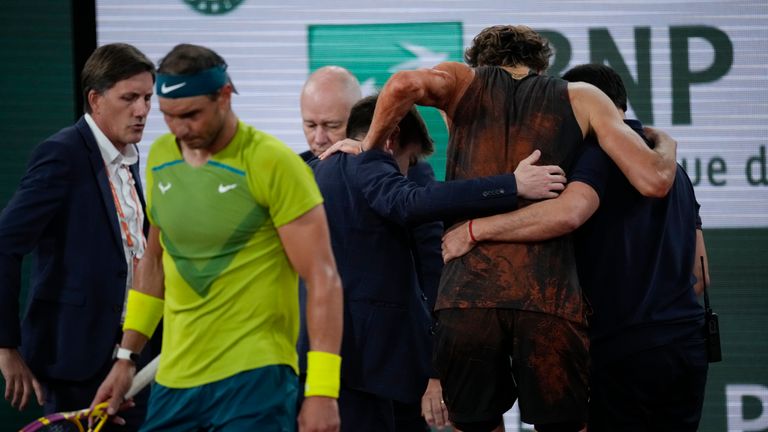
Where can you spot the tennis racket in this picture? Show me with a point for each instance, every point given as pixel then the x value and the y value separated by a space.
pixel 77 421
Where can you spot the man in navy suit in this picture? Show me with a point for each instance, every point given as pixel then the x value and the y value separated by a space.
pixel 370 206
pixel 79 210
pixel 326 100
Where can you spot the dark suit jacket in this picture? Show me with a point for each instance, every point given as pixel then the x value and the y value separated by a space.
pixel 64 214
pixel 426 241
pixel 370 207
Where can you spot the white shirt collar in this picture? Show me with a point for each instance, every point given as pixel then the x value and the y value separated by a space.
pixel 109 152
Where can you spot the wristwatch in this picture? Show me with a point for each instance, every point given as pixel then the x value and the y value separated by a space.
pixel 125 354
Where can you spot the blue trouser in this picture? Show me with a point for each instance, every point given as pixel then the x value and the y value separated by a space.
pixel 659 389
pixel 262 399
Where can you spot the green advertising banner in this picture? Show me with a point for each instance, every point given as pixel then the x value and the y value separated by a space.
pixel 373 52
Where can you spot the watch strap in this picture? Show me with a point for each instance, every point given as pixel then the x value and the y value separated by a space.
pixel 125 354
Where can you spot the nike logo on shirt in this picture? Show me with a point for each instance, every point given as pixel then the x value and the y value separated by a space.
pixel 227 188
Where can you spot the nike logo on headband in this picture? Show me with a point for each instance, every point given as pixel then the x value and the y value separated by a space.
pixel 167 89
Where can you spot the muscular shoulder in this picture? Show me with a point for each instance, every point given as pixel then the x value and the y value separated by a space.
pixel 462 76
pixel 581 94
pixel 584 99
pixel 456 69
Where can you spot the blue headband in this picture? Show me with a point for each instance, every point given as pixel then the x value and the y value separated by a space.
pixel 204 82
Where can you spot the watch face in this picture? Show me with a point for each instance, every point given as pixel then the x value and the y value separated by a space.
pixel 124 354
pixel 213 7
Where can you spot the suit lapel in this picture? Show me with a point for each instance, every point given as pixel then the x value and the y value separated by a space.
pixel 140 192
pixel 100 175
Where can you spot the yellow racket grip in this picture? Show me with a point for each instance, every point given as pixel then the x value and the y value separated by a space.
pixel 143 312
pixel 323 374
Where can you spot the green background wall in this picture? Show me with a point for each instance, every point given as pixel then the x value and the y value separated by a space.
pixel 37 94
pixel 36 81
pixel 37 90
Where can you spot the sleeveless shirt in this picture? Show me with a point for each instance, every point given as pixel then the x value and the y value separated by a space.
pixel 498 122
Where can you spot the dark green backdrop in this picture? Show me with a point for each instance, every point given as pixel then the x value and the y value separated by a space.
pixel 37 90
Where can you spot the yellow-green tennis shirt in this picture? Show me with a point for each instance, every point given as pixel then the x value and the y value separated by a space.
pixel 231 296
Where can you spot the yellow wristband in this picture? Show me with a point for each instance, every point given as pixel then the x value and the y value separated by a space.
pixel 143 312
pixel 323 374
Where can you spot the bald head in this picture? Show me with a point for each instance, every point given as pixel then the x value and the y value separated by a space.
pixel 326 99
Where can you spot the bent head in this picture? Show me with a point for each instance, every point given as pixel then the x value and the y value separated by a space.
pixel 506 45
pixel 326 100
pixel 117 82
pixel 409 142
pixel 602 77
pixel 195 94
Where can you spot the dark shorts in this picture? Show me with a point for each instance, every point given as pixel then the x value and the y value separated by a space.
pixel 262 399
pixel 489 358
pixel 660 389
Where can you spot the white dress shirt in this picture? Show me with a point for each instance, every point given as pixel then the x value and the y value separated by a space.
pixel 124 187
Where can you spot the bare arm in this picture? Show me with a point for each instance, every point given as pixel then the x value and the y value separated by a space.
pixel 317 267
pixel 701 274
pixel 651 171
pixel 537 222
pixel 148 280
pixel 437 87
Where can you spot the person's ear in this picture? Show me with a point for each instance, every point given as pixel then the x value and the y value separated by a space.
pixel 93 100
pixel 393 141
pixel 225 94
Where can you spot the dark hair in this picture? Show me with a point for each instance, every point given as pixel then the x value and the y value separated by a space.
pixel 505 45
pixel 188 59
pixel 602 77
pixel 360 117
pixel 412 127
pixel 109 64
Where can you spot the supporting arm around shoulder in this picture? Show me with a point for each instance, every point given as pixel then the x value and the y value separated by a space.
pixel 435 87
pixel 400 200
pixel 537 222
pixel 651 171
pixel 543 220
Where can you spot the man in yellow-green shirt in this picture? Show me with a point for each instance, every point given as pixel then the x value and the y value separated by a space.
pixel 232 210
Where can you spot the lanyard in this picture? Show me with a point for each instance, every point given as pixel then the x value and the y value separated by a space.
pixel 120 213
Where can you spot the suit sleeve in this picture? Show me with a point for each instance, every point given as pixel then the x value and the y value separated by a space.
pixel 41 193
pixel 426 241
pixel 394 197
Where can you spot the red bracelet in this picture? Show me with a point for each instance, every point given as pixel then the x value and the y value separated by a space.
pixel 471 235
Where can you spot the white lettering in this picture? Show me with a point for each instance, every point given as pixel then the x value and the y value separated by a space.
pixel 734 397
